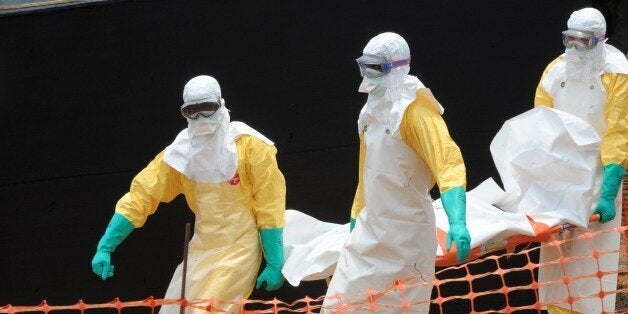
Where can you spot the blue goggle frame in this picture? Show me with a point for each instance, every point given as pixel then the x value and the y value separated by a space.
pixel 380 67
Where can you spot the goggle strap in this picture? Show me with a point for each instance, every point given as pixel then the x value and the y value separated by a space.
pixel 399 63
pixel 394 64
pixel 596 40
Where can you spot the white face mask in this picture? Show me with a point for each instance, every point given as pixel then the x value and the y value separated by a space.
pixel 372 87
pixel 584 64
pixel 205 125
pixel 204 129
pixel 574 55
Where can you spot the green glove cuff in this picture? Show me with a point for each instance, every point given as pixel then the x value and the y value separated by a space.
pixel 272 242
pixel 455 203
pixel 611 180
pixel 351 224
pixel 118 229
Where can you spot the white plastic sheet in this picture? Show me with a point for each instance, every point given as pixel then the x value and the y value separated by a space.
pixel 548 160
pixel 311 247
pixel 488 225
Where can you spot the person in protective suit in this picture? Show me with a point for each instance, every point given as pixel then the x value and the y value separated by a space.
pixel 405 148
pixel 590 81
pixel 228 174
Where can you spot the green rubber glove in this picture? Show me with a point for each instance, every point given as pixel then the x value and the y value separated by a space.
pixel 118 229
pixel 611 180
pixel 272 242
pixel 352 224
pixel 455 203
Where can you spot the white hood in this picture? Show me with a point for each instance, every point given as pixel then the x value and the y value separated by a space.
pixel 390 95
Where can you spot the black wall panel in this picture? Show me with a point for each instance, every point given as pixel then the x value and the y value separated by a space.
pixel 89 95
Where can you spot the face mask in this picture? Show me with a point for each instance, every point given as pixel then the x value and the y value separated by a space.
pixel 575 55
pixel 584 65
pixel 372 87
pixel 206 125
pixel 204 129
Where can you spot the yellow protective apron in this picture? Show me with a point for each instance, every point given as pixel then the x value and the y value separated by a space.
pixel 224 253
pixel 394 237
pixel 586 100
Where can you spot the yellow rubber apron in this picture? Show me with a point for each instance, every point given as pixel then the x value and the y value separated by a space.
pixel 394 236
pixel 224 253
pixel 586 100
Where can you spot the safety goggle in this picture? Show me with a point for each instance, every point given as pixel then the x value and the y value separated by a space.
pixel 374 66
pixel 581 40
pixel 205 109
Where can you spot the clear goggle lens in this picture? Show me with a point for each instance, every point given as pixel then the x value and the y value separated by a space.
pixel 581 40
pixel 373 66
pixel 205 109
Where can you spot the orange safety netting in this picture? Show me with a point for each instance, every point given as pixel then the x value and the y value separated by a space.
pixel 504 283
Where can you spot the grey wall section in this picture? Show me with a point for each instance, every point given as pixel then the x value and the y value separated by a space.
pixel 88 96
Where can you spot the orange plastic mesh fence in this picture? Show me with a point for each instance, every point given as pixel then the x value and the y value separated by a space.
pixel 509 285
pixel 504 283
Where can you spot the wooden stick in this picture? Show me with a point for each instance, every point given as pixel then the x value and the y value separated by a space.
pixel 186 241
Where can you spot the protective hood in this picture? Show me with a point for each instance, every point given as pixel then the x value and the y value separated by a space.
pixel 209 160
pixel 590 64
pixel 393 47
pixel 390 95
pixel 202 88
pixel 206 151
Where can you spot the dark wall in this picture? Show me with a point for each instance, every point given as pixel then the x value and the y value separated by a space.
pixel 88 96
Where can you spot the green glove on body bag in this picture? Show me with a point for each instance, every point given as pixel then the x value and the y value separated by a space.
pixel 455 202
pixel 611 180
pixel 118 229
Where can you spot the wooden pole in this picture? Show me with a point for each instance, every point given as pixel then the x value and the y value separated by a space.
pixel 186 241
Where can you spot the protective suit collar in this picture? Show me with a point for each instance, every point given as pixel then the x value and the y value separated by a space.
pixel 390 113
pixel 614 60
pixel 202 155
pixel 584 65
pixel 209 158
